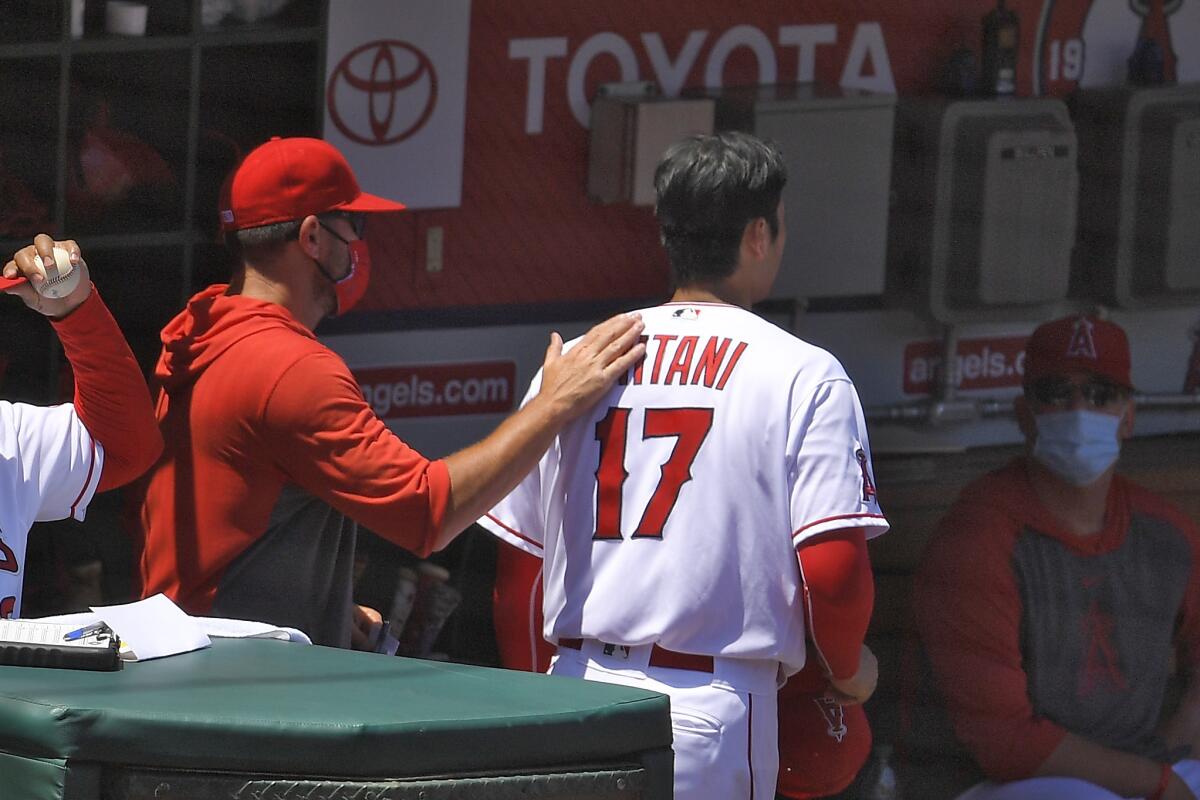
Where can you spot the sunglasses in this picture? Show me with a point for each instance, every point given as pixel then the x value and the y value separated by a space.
pixel 1061 393
pixel 358 222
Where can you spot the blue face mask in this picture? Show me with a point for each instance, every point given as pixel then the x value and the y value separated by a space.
pixel 1077 445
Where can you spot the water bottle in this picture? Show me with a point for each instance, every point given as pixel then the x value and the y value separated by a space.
pixel 1001 39
pixel 879 780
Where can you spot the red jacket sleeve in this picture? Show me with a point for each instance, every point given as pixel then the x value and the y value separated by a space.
pixel 1189 624
pixel 969 617
pixel 1187 637
pixel 111 396
pixel 329 441
pixel 517 610
pixel 839 593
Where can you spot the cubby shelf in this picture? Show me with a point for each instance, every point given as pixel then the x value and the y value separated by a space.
pixel 122 143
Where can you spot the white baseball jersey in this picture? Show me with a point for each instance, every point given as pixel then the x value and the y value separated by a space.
pixel 49 469
pixel 670 512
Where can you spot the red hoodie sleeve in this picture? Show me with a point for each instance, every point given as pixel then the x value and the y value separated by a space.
pixel 329 441
pixel 517 610
pixel 1187 632
pixel 111 396
pixel 969 617
pixel 839 594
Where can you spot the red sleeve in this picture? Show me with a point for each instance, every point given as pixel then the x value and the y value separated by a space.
pixel 1189 627
pixel 328 441
pixel 110 393
pixel 969 617
pixel 839 593
pixel 1187 637
pixel 517 610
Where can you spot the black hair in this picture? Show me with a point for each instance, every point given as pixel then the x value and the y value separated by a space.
pixel 709 188
pixel 270 238
pixel 265 237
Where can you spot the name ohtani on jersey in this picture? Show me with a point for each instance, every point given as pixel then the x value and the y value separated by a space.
pixel 690 484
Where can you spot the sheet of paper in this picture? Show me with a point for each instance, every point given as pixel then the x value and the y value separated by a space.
pixel 214 627
pixel 153 628
pixel 247 629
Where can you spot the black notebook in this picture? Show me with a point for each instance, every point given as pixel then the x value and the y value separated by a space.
pixel 30 643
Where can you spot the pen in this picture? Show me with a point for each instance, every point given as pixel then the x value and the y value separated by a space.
pixel 86 630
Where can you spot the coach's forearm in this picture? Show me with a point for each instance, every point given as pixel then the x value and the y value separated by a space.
pixel 1125 774
pixel 482 474
pixel 1183 728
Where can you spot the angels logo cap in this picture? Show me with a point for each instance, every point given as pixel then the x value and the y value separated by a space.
pixel 287 179
pixel 822 744
pixel 1079 343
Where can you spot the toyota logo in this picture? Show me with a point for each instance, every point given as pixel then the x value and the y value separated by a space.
pixel 382 92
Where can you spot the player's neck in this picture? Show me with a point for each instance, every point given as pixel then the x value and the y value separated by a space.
pixel 1079 508
pixel 272 283
pixel 718 292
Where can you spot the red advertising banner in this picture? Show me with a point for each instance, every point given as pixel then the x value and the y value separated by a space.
pixel 522 230
pixel 991 363
pixel 440 390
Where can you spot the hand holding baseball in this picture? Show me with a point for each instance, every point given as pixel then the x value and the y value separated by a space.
pixel 56 277
pixel 860 687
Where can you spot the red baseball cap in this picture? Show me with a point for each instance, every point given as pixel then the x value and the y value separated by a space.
pixel 822 744
pixel 1079 343
pixel 288 179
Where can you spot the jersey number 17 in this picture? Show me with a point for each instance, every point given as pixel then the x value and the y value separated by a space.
pixel 689 426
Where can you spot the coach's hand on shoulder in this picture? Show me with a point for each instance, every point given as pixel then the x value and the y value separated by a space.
pixel 861 686
pixel 574 380
pixel 24 263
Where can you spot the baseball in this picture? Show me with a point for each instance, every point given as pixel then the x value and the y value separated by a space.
pixel 67 280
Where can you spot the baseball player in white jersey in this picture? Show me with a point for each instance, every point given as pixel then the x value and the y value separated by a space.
pixel 670 517
pixel 52 460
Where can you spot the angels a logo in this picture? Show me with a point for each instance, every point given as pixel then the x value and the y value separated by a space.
pixel 382 92
pixel 1086 43
pixel 835 717
pixel 1082 344
pixel 869 491
pixel 8 563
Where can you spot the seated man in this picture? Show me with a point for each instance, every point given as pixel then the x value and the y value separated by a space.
pixel 1056 595
pixel 52 460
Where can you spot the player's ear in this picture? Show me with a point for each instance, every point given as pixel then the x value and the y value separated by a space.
pixel 756 237
pixel 308 236
pixel 1025 420
pixel 1126 429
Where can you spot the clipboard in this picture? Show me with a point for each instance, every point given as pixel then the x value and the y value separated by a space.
pixel 30 643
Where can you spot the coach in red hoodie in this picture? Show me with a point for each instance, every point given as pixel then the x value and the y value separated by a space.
pixel 272 455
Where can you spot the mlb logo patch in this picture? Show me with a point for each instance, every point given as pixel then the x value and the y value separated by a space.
pixel 688 313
